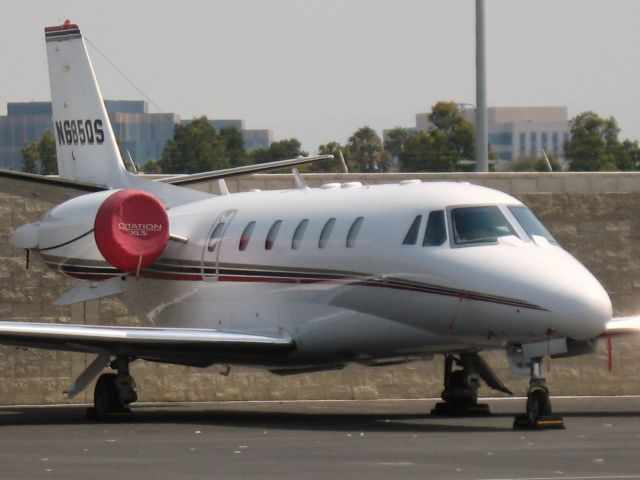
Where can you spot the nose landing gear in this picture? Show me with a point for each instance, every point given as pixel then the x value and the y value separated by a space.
pixel 539 414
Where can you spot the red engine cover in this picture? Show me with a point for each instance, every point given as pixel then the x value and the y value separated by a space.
pixel 131 229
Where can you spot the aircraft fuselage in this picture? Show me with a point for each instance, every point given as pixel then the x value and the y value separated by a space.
pixel 355 273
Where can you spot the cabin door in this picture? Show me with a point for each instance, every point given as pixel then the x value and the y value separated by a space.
pixel 214 245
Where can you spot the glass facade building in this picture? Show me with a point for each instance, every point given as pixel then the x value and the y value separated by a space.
pixel 143 134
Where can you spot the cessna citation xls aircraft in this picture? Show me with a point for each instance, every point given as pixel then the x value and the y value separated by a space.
pixel 297 280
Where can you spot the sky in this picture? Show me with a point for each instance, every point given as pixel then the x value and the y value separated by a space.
pixel 319 70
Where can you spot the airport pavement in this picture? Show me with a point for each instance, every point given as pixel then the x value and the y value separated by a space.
pixel 321 440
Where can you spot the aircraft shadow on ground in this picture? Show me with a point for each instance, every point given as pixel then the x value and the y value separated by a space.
pixel 304 421
pixel 315 421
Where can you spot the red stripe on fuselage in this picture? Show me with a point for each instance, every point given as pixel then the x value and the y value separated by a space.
pixel 396 284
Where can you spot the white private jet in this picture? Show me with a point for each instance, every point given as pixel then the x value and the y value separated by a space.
pixel 297 280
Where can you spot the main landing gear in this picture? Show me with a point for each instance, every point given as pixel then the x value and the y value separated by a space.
pixel 539 414
pixel 114 392
pixel 461 386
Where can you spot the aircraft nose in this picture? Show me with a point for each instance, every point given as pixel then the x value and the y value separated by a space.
pixel 25 236
pixel 581 307
pixel 594 310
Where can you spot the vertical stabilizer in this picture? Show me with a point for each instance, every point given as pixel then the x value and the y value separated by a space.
pixel 85 143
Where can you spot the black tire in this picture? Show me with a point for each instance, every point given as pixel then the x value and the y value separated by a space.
pixel 460 395
pixel 105 396
pixel 538 404
pixel 457 379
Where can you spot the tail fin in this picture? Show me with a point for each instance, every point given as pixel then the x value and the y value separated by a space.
pixel 85 143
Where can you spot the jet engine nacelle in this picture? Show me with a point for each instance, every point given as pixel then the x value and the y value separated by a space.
pixel 128 229
pixel 131 229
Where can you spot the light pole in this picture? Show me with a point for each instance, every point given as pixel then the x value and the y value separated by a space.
pixel 482 140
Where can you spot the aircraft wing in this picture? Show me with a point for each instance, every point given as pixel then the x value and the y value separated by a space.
pixel 243 170
pixel 159 344
pixel 621 325
pixel 41 187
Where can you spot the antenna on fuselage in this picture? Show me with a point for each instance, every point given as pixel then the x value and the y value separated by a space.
pixel 132 163
pixel 297 178
pixel 222 186
pixel 345 169
pixel 546 159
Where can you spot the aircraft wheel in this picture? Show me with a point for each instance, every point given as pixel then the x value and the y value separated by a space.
pixel 105 396
pixel 538 404
pixel 463 390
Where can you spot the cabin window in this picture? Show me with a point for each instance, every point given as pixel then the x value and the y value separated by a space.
pixel 530 223
pixel 297 235
pixel 354 230
pixel 273 233
pixel 412 235
pixel 479 225
pixel 246 235
pixel 326 232
pixel 436 232
pixel 215 237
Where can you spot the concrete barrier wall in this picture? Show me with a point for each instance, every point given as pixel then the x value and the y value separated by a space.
pixel 594 216
pixel 510 182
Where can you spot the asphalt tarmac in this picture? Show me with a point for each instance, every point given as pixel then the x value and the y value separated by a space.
pixel 321 440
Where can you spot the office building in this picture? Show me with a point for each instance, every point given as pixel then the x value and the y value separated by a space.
pixel 516 132
pixel 142 134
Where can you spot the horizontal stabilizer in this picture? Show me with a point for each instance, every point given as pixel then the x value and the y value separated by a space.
pixel 44 188
pixel 57 190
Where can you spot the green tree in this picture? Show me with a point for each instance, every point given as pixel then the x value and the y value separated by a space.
pixel 151 166
pixel 449 139
pixel 366 152
pixel 30 157
pixel 234 146
pixel 594 144
pixel 281 150
pixel 452 136
pixel 40 157
pixel 395 140
pixel 195 147
pixel 628 155
pixel 415 152
pixel 48 157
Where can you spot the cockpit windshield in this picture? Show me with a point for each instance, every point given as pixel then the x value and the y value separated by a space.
pixel 530 223
pixel 479 224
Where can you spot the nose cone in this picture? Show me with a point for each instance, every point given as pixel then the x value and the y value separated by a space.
pixel 582 309
pixel 25 236
pixel 577 305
